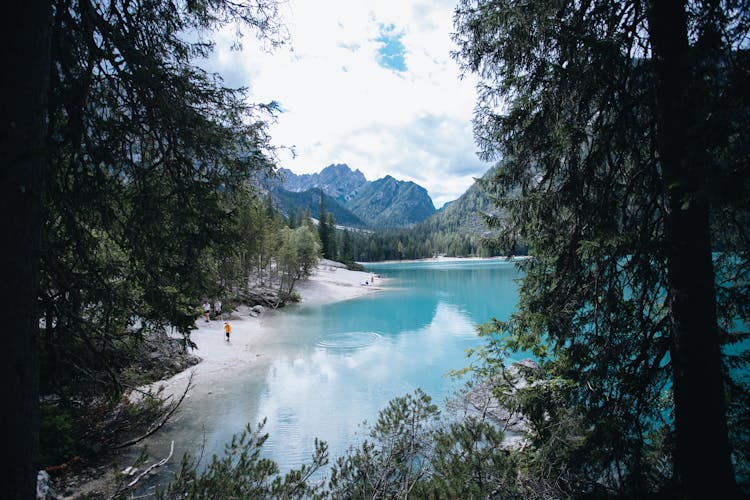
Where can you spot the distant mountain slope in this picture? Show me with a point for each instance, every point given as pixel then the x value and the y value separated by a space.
pixel 388 202
pixel 462 215
pixel 456 230
pixel 290 203
pixel 338 181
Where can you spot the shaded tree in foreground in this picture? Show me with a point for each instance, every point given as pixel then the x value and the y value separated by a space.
pixel 138 149
pixel 25 79
pixel 624 125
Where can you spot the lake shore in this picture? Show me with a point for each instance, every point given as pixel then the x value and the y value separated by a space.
pixel 251 339
pixel 252 348
pixel 450 259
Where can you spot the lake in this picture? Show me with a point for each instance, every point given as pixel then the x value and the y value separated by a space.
pixel 335 366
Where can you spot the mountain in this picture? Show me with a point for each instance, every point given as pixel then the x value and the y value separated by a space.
pixel 463 215
pixel 388 202
pixel 456 230
pixel 290 202
pixel 337 181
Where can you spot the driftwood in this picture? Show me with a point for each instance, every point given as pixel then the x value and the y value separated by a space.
pixel 159 424
pixel 122 487
pixel 152 467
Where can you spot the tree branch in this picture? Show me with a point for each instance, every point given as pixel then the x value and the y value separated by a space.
pixel 152 429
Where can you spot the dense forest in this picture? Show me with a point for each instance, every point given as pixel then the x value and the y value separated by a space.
pixel 460 229
pixel 622 165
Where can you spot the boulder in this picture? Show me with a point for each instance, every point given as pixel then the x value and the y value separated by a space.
pixel 44 486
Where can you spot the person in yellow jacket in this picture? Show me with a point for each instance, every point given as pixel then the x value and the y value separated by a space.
pixel 227 329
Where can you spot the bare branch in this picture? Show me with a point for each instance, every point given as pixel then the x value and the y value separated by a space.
pixel 153 428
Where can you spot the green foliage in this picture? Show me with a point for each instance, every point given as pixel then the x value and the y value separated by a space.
pixel 291 202
pixel 297 256
pixel 581 177
pixel 395 461
pixel 145 152
pixel 71 433
pixel 327 232
pixel 457 230
pixel 389 203
pixel 472 462
pixel 58 432
pixel 242 473
pixel 324 230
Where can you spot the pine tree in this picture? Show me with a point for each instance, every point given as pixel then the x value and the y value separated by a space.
pixel 333 251
pixel 323 229
pixel 26 38
pixel 622 140
pixel 134 153
pixel 346 247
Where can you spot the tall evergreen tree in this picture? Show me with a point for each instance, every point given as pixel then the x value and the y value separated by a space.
pixel 346 246
pixel 333 250
pixel 25 50
pixel 138 149
pixel 324 230
pixel 624 127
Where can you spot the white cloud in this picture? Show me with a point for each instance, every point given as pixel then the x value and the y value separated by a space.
pixel 342 106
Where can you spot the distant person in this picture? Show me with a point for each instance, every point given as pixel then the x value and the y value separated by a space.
pixel 217 310
pixel 372 279
pixel 207 310
pixel 227 329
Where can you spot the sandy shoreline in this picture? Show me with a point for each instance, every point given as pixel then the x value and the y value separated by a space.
pixel 251 346
pixel 250 337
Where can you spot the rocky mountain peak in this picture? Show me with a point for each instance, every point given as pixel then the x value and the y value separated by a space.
pixel 386 202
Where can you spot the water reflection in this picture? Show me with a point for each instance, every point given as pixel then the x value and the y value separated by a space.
pixel 330 392
pixel 329 368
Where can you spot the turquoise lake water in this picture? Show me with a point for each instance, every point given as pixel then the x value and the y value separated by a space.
pixel 334 366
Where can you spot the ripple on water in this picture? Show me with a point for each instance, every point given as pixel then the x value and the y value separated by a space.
pixel 346 341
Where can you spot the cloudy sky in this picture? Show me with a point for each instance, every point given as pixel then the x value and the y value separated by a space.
pixel 369 84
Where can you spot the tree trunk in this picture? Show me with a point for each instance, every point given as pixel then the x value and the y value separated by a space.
pixel 25 55
pixel 703 468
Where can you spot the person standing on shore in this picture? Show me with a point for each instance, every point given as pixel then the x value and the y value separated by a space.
pixel 227 329
pixel 217 310
pixel 207 310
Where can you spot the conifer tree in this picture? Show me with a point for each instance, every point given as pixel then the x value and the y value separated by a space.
pixel 323 229
pixel 333 251
pixel 621 131
pixel 25 50
pixel 138 149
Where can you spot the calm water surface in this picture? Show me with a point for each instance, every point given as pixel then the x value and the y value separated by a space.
pixel 335 366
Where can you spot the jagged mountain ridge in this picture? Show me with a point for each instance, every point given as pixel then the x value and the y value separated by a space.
pixel 386 202
pixel 336 180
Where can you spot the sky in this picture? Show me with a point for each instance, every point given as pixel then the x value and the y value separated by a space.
pixel 369 84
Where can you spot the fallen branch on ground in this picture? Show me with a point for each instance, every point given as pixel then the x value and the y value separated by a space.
pixel 155 427
pixel 152 467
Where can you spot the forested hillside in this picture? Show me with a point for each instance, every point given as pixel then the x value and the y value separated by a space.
pixel 130 173
pixel 457 230
pixel 464 215
pixel 292 204
pixel 390 203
